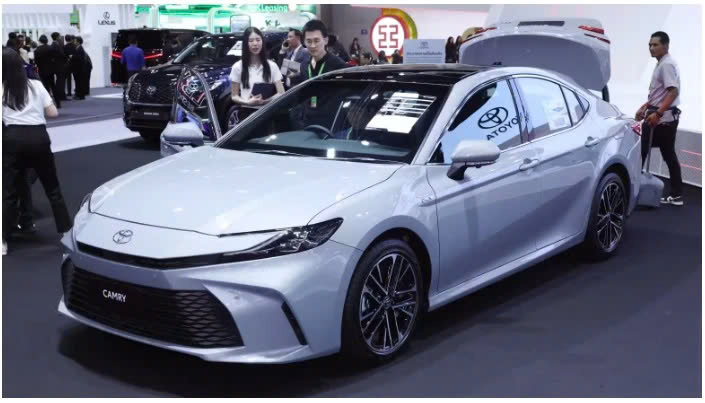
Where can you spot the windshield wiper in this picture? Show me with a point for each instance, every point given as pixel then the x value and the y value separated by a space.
pixel 368 159
pixel 277 152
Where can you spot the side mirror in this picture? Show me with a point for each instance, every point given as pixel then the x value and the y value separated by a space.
pixel 472 153
pixel 177 137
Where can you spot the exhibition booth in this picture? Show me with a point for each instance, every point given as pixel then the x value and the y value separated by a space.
pixel 457 208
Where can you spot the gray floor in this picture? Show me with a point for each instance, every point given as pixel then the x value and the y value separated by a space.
pixel 628 327
pixel 95 107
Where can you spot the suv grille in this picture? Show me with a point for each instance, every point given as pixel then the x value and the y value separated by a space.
pixel 188 318
pixel 161 93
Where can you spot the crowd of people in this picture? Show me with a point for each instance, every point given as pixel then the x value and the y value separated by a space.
pixel 63 66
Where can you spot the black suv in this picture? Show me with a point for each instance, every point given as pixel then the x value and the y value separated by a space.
pixel 159 45
pixel 148 98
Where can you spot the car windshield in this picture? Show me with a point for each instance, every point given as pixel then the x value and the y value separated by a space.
pixel 357 120
pixel 221 50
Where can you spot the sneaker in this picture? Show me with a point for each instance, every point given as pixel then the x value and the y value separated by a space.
pixel 676 201
pixel 4 248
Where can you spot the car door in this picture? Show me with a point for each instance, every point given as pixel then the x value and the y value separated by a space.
pixel 485 219
pixel 567 150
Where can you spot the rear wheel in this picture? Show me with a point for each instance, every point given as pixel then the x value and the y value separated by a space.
pixel 607 218
pixel 150 136
pixel 383 304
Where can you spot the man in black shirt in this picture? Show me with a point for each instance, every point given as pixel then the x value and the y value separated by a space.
pixel 316 40
pixel 43 58
pixel 58 59
pixel 69 51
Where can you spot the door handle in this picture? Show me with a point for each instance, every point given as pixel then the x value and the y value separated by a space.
pixel 591 142
pixel 528 164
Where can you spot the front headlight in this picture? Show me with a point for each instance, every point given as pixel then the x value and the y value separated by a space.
pixel 287 241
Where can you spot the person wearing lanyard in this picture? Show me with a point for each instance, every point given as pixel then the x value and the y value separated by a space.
pixel 316 39
pixel 26 143
pixel 662 114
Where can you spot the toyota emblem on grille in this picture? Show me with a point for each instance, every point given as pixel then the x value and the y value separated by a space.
pixel 151 90
pixel 123 236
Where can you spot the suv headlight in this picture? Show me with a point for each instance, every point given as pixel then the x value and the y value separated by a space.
pixel 287 241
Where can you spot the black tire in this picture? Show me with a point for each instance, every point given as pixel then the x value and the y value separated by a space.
pixel 150 136
pixel 354 346
pixel 598 245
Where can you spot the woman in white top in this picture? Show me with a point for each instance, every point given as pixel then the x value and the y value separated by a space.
pixel 252 69
pixel 25 142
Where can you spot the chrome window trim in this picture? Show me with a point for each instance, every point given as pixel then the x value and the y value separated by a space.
pixel 460 106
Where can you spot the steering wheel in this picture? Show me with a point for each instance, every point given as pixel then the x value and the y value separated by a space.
pixel 326 132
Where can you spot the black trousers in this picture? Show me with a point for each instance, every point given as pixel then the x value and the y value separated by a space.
pixel 665 139
pixel 50 85
pixel 29 147
pixel 24 194
pixel 68 82
pixel 60 86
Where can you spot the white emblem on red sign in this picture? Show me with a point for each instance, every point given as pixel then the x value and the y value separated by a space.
pixel 387 34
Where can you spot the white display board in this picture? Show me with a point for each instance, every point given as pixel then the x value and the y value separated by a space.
pixel 424 51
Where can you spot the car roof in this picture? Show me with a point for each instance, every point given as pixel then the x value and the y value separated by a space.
pixel 447 74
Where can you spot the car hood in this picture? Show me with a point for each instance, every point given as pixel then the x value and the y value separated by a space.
pixel 217 191
pixel 211 71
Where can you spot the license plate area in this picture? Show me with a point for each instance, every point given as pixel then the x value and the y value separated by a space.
pixel 150 114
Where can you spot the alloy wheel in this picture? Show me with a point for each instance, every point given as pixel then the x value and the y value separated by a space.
pixel 389 304
pixel 610 216
pixel 233 119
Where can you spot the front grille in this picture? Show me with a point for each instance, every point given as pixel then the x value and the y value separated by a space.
pixel 188 318
pixel 164 89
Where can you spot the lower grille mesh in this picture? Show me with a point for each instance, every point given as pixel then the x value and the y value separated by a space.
pixel 188 318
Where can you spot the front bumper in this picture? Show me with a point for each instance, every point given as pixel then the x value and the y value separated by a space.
pixel 145 116
pixel 267 299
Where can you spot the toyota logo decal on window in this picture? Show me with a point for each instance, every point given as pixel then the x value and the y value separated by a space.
pixel 493 118
pixel 123 236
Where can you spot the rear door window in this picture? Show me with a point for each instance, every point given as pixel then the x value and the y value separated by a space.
pixel 574 108
pixel 546 106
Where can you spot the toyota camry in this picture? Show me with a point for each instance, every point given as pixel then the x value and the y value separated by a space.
pixel 332 219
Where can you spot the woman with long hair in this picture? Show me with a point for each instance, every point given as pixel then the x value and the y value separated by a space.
pixel 355 49
pixel 254 68
pixel 450 50
pixel 25 142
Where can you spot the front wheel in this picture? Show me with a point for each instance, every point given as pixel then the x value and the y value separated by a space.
pixel 383 304
pixel 607 218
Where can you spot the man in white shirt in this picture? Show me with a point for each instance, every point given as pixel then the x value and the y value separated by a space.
pixel 661 113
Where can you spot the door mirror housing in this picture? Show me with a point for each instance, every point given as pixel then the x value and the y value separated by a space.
pixel 178 137
pixel 472 153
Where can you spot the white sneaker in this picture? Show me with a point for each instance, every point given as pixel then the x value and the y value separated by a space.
pixel 4 248
pixel 676 201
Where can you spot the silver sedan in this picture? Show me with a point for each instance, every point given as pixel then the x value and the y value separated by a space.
pixel 332 218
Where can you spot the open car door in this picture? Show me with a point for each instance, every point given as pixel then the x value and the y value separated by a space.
pixel 577 48
pixel 194 121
